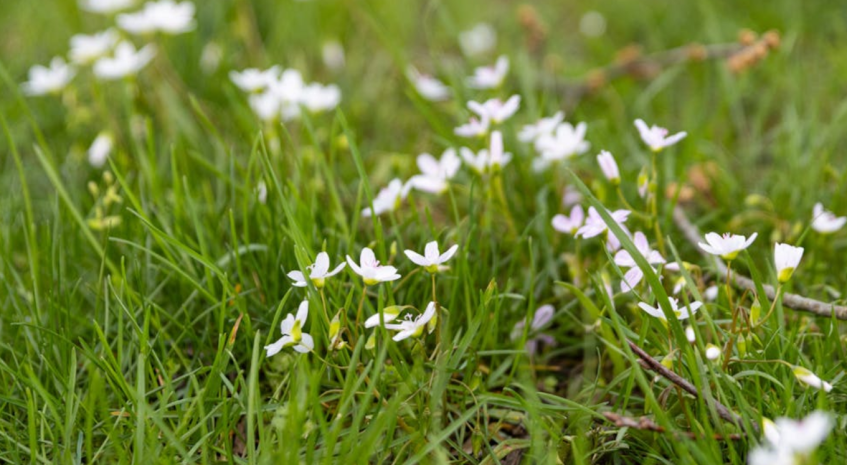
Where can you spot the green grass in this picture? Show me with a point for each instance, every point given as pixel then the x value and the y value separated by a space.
pixel 143 343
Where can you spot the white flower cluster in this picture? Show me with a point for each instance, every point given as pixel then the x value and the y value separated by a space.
pixel 275 94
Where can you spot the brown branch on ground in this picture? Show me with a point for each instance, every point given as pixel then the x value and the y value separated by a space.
pixel 738 56
pixel 793 301
pixel 655 365
pixel 646 424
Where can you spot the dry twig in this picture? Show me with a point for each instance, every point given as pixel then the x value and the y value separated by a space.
pixel 647 424
pixel 793 301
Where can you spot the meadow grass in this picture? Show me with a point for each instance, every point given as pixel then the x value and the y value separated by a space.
pixel 143 342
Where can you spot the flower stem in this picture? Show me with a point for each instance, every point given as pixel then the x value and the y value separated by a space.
pixel 359 314
pixel 731 341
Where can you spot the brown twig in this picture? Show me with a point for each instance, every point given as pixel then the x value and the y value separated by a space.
pixel 656 366
pixel 738 56
pixel 793 301
pixel 646 424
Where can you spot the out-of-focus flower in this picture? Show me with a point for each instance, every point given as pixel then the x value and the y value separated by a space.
pixel 571 196
pixel 565 142
pixel 210 57
pixel 388 198
pixel 624 260
pixel 543 316
pixel 85 49
pixel 105 7
pixel 473 128
pixel 412 326
pixel 825 222
pixel 490 77
pixel 100 149
pixel 610 167
pixel 292 333
pixel 786 258
pixel 332 54
pixel 791 442
pixel 544 127
pixel 165 16
pixel 478 40
pixel 262 192
pixel 681 313
pixel 52 80
pixel 595 226
pixel 318 272
pixel 487 160
pixel 657 137
pixel 592 24
pixel 810 379
pixel 253 79
pixel 318 97
pixel 690 335
pixel 370 270
pixel 435 173
pixel 432 260
pixel 389 313
pixel 569 224
pixel 427 86
pixel 713 352
pixel 727 246
pixel 126 61
pixel 495 109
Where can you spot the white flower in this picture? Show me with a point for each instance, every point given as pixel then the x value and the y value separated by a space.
pixel 85 49
pixel 790 442
pixel 825 222
pixel 544 126
pixel 432 260
pixel 595 226
pixel 609 167
pixel 565 142
pixel 318 272
pixel 487 160
pixel 105 7
pixel 810 379
pixel 592 24
pixel 786 258
pixel 569 224
pixel 727 246
pixel 681 313
pixel 657 137
pixel 388 198
pixel 389 313
pixel 100 149
pixel 478 40
pixel 542 317
pixel 473 128
pixel 412 326
pixel 571 196
pixel 489 77
pixel 435 173
pixel 690 335
pixel 427 86
pixel 44 80
pixel 711 293
pixel 262 192
pixel 125 62
pixel 496 110
pixel 164 16
pixel 332 54
pixel 370 270
pixel 210 57
pixel 318 98
pixel 624 260
pixel 292 333
pixel 713 352
pixel 253 79
pixel 265 105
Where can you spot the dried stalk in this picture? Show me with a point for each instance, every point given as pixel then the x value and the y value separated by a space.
pixel 656 366
pixel 793 301
pixel 647 424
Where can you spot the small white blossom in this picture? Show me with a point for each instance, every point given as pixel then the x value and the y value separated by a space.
pixel 810 379
pixel 490 77
pixel 681 313
pixel 432 260
pixel 427 86
pixel 52 80
pixel 435 173
pixel 569 224
pixel 388 198
pixel 690 335
pixel 657 137
pixel 595 226
pixel 791 442
pixel 332 54
pixel 727 246
pixel 165 16
pixel 825 222
pixel 105 7
pixel 319 98
pixel 478 40
pixel 713 352
pixel 389 313
pixel 318 272
pixel 610 167
pixel 495 109
pixel 487 160
pixel 543 316
pixel 100 149
pixel 565 142
pixel 786 258
pixel 412 326
pixel 711 293
pixel 292 333
pixel 624 260
pixel 370 270
pixel 544 126
pixel 86 49
pixel 253 79
pixel 262 192
pixel 473 128
pixel 126 61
